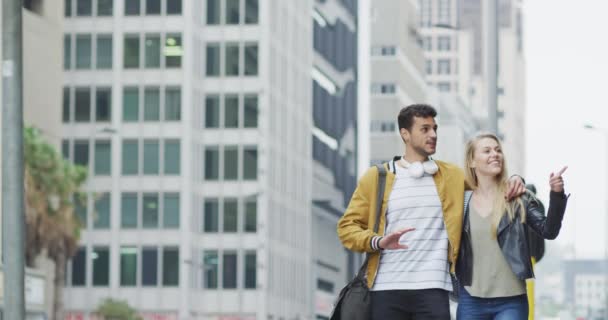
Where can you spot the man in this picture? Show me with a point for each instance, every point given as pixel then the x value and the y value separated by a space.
pixel 423 206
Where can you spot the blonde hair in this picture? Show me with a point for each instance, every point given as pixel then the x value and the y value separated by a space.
pixel 501 206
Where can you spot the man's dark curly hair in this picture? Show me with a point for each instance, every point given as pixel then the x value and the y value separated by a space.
pixel 407 114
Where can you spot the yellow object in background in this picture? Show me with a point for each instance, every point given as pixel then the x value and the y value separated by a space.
pixel 530 289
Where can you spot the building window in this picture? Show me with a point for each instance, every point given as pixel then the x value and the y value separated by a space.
pixel 232 59
pixel 67 52
pixel 251 59
pixel 151 104
pixel 251 11
pixel 102 212
pixel 151 157
pixel 444 11
pixel 152 7
pixel 82 108
pixel 104 52
pixel 132 7
pixel 444 86
pixel 130 157
pixel 128 210
pixel 325 286
pixel 104 7
pixel 250 270
pixel 128 266
pixel 211 215
pixel 171 210
pixel 232 11
pixel 173 104
pixel 149 267
pixel 427 43
pixel 80 209
pixel 79 267
pixel 211 268
pixel 426 12
pixel 443 66
pixel 174 7
pixel 231 163
pixel 83 51
pixel 172 157
pixel 101 266
pixel 130 104
pixel 250 163
pixel 103 158
pixel 251 215
pixel 81 152
pixel 383 88
pixel 213 60
pixel 212 111
pixel 213 12
pixel 84 8
pixel 231 111
pixel 173 51
pixel 65 149
pixel 131 51
pixel 66 105
pixel 229 270
pixel 444 43
pixel 384 50
pixel 212 160
pixel 428 66
pixel 67 6
pixel 103 104
pixel 150 210
pixel 171 266
pixel 152 51
pixel 251 111
pixel 231 213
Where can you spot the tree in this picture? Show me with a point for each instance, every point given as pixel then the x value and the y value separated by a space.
pixel 112 309
pixel 52 185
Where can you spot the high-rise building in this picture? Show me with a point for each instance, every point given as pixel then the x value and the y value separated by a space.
pixel 195 120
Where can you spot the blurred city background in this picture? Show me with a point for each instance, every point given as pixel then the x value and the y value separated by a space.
pixel 217 143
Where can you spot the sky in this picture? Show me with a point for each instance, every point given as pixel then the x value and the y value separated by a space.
pixel 567 63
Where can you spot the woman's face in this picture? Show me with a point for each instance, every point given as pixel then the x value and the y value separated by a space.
pixel 487 158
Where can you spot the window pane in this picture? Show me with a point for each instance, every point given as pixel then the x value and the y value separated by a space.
pixel 103 104
pixel 152 104
pixel 149 266
pixel 68 8
pixel 131 51
pixel 81 152
pixel 231 111
pixel 84 7
pixel 101 266
pixel 250 164
pixel 213 12
pixel 212 111
pixel 250 270
pixel 174 6
pixel 251 215
pixel 80 209
pixel 212 159
pixel 102 212
pixel 130 104
pixel 130 157
pixel 231 163
pixel 104 7
pixel 211 213
pixel 173 104
pixel 67 51
pixel 170 267
pixel 232 59
pixel 251 111
pixel 172 157
pixel 66 104
pixel 251 11
pixel 83 51
pixel 152 51
pixel 173 51
pixel 104 52
pixel 103 158
pixel 213 60
pixel 150 211
pixel 230 215
pixel 232 11
pixel 229 271
pixel 79 267
pixel 128 210
pixel 128 266
pixel 251 60
pixel 65 149
pixel 82 108
pixel 151 154
pixel 152 6
pixel 211 267
pixel 171 210
pixel 132 7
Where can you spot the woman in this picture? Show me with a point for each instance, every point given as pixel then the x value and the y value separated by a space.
pixel 494 259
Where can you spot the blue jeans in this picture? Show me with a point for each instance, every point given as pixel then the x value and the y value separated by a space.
pixel 507 308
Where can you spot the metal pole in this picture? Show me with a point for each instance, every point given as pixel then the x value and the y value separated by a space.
pixel 490 23
pixel 13 224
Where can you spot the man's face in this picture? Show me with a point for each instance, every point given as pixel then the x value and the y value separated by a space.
pixel 422 138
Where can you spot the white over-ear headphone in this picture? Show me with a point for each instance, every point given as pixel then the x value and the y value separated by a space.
pixel 417 169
